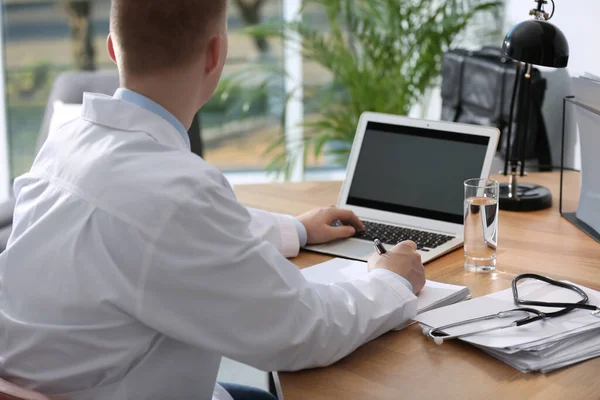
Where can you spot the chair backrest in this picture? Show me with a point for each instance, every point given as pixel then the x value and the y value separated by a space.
pixel 9 391
pixel 69 88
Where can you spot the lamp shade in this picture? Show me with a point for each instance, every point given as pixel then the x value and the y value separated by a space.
pixel 537 42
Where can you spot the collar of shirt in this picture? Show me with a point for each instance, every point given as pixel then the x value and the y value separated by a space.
pixel 150 105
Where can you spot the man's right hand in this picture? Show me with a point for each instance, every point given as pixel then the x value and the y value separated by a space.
pixel 404 261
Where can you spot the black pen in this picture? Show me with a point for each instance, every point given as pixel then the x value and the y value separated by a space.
pixel 379 247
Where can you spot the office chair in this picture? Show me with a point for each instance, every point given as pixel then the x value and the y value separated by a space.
pixel 69 88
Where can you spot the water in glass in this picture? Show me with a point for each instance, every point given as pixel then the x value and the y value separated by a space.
pixel 481 233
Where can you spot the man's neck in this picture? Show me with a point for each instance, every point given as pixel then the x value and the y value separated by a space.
pixel 178 96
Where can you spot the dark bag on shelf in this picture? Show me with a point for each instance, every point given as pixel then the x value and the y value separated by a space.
pixel 477 88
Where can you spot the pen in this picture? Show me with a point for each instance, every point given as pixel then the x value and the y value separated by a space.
pixel 379 247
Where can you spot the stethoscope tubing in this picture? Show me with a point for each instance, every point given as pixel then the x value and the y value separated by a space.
pixel 533 315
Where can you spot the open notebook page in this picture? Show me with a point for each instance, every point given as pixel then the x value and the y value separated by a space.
pixel 433 295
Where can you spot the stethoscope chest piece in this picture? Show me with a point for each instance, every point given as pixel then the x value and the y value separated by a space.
pixel 525 310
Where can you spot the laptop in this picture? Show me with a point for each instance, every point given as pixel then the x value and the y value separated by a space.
pixel 405 182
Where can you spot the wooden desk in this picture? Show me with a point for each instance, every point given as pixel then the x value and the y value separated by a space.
pixel 403 365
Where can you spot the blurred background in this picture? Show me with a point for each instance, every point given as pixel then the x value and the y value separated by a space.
pixel 242 127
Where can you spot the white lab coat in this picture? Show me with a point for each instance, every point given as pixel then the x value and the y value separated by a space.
pixel 132 270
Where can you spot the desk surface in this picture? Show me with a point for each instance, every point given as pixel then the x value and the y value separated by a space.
pixel 406 365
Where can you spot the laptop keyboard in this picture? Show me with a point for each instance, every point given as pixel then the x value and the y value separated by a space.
pixel 393 235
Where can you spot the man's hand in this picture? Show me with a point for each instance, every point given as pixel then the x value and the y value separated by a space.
pixel 404 261
pixel 318 224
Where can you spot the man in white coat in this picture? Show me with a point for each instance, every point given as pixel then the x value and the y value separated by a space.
pixel 132 269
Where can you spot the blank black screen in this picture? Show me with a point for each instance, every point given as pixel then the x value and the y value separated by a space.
pixel 415 171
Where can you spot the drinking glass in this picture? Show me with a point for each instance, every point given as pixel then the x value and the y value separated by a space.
pixel 481 224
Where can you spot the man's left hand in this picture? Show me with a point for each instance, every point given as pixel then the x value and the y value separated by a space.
pixel 318 224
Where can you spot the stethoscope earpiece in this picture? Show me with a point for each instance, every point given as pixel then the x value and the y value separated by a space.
pixel 427 332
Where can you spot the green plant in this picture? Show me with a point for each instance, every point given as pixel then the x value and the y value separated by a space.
pixel 383 56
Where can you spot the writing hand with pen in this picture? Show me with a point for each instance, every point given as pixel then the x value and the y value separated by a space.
pixel 331 223
pixel 403 259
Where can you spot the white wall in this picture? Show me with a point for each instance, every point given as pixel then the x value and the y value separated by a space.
pixel 580 22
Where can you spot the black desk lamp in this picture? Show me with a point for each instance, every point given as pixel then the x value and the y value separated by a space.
pixel 532 42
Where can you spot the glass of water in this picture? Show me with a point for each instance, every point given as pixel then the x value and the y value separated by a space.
pixel 481 224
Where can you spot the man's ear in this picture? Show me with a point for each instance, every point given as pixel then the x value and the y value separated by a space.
pixel 110 45
pixel 213 54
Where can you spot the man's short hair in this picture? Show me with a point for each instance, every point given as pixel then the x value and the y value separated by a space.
pixel 155 35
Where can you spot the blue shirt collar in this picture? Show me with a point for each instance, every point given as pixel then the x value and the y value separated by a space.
pixel 147 104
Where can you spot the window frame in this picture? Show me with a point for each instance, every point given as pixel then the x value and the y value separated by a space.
pixel 293 87
pixel 5 167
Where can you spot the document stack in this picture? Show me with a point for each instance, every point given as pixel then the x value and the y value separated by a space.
pixel 433 295
pixel 541 346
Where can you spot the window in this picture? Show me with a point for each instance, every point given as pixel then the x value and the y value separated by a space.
pixel 38 46
pixel 317 81
pixel 43 38
pixel 237 131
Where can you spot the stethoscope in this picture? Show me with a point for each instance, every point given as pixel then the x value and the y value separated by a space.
pixel 531 314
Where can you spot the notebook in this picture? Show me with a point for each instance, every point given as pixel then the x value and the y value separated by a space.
pixel 433 295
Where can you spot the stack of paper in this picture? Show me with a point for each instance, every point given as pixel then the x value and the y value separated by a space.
pixel 540 346
pixel 432 296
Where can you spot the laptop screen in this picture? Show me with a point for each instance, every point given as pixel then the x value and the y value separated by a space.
pixel 415 171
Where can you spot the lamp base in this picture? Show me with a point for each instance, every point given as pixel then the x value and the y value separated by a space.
pixel 524 197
